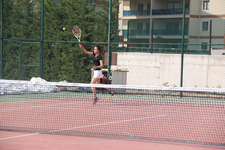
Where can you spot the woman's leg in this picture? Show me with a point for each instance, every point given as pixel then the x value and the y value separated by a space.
pixel 105 81
pixel 95 81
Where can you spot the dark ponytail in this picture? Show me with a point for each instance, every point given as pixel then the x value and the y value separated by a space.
pixel 101 49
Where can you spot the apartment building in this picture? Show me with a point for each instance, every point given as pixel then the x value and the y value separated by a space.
pixel 137 18
pixel 160 21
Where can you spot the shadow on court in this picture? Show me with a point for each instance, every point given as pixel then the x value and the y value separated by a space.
pixel 36 141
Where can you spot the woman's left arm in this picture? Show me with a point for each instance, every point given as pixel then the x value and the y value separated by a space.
pixel 101 64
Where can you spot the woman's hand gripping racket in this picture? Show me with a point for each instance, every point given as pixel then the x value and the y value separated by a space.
pixel 77 32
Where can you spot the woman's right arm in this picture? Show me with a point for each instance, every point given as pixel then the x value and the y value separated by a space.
pixel 85 51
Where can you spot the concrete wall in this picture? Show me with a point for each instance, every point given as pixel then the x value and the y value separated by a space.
pixel 165 69
pixel 216 51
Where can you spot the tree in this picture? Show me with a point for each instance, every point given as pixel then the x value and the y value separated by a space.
pixel 66 61
pixel 62 57
pixel 102 23
pixel 19 22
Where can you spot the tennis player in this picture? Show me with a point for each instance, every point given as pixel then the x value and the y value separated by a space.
pixel 97 65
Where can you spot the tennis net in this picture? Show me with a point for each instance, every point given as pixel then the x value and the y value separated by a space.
pixel 193 115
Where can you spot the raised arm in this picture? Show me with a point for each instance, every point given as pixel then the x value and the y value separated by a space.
pixel 85 51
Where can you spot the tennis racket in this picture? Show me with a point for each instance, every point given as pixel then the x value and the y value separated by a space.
pixel 76 32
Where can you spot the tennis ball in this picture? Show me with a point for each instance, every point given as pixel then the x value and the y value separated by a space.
pixel 139 95
pixel 64 28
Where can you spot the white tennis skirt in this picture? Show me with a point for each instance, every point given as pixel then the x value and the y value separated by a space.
pixel 97 74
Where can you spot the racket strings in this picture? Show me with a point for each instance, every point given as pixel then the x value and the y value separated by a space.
pixel 76 32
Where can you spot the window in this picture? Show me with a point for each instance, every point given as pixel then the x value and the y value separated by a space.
pixel 176 5
pixel 140 7
pixel 205 4
pixel 169 5
pixel 205 25
pixel 147 26
pixel 148 8
pixel 139 26
pixel 187 6
pixel 204 46
pixel 172 28
pixel 92 1
pixel 172 25
pixel 173 5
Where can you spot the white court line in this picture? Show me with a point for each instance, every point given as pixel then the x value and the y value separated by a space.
pixel 18 136
pixel 108 123
pixel 85 126
pixel 41 106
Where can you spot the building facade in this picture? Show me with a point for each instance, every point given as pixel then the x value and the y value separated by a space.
pixel 163 18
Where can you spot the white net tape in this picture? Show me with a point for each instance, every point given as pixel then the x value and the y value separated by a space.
pixel 38 85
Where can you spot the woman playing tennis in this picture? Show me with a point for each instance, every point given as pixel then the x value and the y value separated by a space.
pixel 97 65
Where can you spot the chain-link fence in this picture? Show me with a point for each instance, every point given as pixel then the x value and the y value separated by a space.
pixel 156 42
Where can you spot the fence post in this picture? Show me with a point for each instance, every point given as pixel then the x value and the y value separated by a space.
pixel 152 36
pixel 1 76
pixel 42 39
pixel 109 40
pixel 210 37
pixel 20 66
pixel 115 38
pixel 128 34
pixel 182 49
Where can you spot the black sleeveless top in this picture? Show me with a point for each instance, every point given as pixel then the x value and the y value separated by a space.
pixel 96 60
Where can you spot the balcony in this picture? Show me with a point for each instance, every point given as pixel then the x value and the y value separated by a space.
pixel 154 12
pixel 136 13
pixel 156 32
pixel 170 32
pixel 161 50
pixel 168 11
pixel 136 32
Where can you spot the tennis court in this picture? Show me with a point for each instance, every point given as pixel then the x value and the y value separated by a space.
pixel 28 141
pixel 152 115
